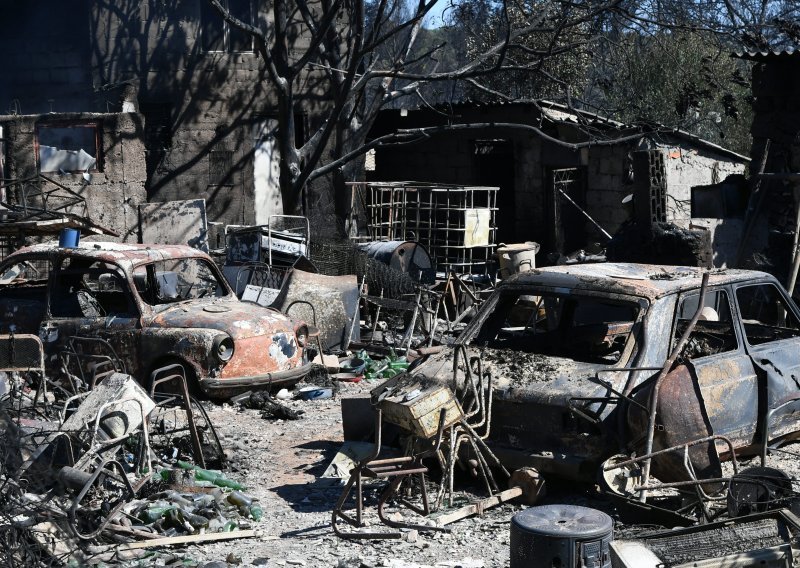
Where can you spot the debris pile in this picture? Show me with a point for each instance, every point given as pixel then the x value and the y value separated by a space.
pixel 105 473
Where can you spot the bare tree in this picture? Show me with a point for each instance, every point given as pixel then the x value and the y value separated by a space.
pixel 364 56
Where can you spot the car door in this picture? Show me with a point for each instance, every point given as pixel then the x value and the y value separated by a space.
pixel 725 375
pixel 771 327
pixel 91 299
pixel 23 293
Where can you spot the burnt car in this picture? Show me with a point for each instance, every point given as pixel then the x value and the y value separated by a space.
pixel 573 352
pixel 154 305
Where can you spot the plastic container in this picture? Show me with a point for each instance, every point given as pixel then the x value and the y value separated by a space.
pixel 568 536
pixel 314 393
pixel 516 258
pixel 69 238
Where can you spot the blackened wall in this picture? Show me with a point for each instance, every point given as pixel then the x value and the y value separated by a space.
pixel 203 110
pixel 776 96
pixel 529 207
pixel 46 57
pixel 116 185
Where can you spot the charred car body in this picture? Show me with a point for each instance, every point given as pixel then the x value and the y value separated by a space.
pixel 154 305
pixel 573 352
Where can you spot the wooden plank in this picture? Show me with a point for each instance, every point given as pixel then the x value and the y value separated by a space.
pixel 190 539
pixel 479 507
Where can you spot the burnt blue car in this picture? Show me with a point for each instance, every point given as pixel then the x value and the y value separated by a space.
pixel 154 305
pixel 563 343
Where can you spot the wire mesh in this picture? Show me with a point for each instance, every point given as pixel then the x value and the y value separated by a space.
pixel 337 258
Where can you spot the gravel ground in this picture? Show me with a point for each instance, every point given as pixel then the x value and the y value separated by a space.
pixel 280 461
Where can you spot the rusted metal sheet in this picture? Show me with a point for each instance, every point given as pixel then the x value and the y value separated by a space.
pixel 645 280
pixel 328 302
pixel 175 223
pixel 680 418
pixel 778 367
pixel 553 407
pixel 729 390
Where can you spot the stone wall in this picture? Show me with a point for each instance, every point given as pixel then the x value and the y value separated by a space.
pixel 117 184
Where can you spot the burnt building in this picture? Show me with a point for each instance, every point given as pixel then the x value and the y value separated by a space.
pixel 166 98
pixel 535 169
pixel 771 234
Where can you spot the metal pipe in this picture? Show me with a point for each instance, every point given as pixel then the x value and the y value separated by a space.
pixel 795 250
pixel 585 214
pixel 663 373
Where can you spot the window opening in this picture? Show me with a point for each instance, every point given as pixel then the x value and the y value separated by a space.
pixel 765 314
pixel 177 280
pixel 218 35
pixel 713 333
pixel 86 289
pixel 68 148
pixel 584 328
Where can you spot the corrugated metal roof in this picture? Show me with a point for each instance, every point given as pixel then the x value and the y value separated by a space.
pixel 783 53
pixel 559 112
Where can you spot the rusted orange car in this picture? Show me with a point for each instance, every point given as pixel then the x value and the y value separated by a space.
pixel 154 305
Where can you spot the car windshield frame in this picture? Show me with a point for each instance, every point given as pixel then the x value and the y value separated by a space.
pixel 161 286
pixel 640 304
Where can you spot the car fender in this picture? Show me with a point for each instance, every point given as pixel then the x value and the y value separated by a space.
pixel 193 345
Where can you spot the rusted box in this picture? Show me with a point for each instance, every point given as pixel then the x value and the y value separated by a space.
pixel 417 408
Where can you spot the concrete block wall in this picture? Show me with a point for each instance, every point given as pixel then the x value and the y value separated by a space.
pixel 45 57
pixel 687 168
pixel 115 191
pixel 607 184
pixel 82 56
pixel 529 197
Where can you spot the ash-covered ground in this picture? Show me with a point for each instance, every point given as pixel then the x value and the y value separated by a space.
pixel 280 461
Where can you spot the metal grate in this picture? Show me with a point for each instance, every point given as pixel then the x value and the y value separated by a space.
pixel 456 224
pixel 658 188
pixel 21 353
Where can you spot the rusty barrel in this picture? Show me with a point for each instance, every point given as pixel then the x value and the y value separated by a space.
pixel 568 536
pixel 404 256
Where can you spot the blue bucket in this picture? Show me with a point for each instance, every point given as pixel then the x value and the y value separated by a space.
pixel 69 238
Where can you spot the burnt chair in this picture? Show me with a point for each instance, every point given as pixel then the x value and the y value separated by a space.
pixel 396 471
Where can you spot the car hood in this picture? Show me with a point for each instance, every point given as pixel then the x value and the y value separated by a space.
pixel 526 376
pixel 238 319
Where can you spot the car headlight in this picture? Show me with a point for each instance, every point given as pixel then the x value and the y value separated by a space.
pixel 302 336
pixel 223 348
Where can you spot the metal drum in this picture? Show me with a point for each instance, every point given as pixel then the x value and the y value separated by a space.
pixel 561 536
pixel 403 256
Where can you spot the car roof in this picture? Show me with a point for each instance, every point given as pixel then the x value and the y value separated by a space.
pixel 645 280
pixel 127 255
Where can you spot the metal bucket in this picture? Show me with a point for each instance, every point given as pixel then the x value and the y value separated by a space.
pixel 515 258
pixel 565 536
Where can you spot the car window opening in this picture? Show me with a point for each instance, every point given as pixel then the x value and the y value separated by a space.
pixel 583 328
pixel 714 331
pixel 177 280
pixel 766 316
pixel 91 290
